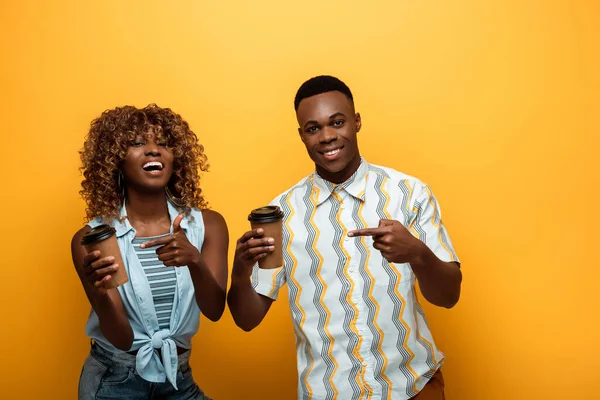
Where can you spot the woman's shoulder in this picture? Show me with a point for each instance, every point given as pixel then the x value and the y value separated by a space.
pixel 214 222
pixel 76 239
pixel 211 217
pixel 204 216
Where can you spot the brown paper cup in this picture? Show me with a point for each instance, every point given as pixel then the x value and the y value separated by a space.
pixel 270 219
pixel 103 238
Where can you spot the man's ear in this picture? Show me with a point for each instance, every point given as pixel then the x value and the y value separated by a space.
pixel 300 134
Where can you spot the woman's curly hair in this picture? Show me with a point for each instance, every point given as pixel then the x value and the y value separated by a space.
pixel 106 146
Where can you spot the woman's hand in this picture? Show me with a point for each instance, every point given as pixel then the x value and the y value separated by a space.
pixel 175 250
pixel 97 271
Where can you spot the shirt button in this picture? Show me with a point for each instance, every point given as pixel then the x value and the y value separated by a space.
pixel 364 363
pixel 141 299
pixel 360 333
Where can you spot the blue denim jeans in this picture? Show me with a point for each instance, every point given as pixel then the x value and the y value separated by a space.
pixel 107 375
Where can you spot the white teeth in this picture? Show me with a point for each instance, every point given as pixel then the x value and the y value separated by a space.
pixel 153 164
pixel 332 152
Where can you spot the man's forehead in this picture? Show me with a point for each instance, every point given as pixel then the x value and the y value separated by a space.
pixel 324 105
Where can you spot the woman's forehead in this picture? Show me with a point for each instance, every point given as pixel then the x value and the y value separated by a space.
pixel 150 131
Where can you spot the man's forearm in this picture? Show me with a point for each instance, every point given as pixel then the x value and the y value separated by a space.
pixel 248 308
pixel 439 281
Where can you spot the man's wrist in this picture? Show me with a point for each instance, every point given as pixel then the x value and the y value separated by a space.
pixel 421 255
pixel 240 276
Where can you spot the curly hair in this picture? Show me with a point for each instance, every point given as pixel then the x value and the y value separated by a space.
pixel 106 146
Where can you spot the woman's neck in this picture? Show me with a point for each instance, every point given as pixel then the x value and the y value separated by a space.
pixel 145 209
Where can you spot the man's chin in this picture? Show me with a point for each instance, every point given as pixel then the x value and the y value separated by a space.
pixel 332 168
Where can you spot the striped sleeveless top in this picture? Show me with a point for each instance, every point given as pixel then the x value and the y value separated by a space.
pixel 162 280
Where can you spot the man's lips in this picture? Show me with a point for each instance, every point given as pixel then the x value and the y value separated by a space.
pixel 331 154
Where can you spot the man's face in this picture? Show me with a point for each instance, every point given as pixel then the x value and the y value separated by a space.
pixel 328 127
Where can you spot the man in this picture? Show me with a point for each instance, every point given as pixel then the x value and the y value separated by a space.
pixel 356 239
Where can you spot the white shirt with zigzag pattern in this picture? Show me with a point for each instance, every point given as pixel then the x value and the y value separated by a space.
pixel 360 329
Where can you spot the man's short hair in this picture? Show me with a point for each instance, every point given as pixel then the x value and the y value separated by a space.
pixel 321 84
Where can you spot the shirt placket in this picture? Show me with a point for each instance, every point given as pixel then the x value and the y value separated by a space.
pixel 362 331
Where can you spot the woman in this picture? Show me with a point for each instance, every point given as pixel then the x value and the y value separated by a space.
pixel 141 176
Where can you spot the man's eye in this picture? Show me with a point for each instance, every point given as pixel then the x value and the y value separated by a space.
pixel 312 129
pixel 338 122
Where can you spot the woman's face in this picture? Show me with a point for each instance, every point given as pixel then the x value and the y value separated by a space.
pixel 148 165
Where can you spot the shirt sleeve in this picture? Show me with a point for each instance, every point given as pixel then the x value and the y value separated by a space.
pixel 95 222
pixel 427 226
pixel 268 281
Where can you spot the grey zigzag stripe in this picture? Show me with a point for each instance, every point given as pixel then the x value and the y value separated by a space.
pixel 293 288
pixel 319 290
pixel 342 185
pixel 420 311
pixel 349 181
pixel 279 281
pixel 329 185
pixel 438 220
pixel 405 210
pixel 393 281
pixel 379 171
pixel 280 277
pixel 349 311
pixel 254 278
pixel 421 232
pixel 405 199
pixel 379 361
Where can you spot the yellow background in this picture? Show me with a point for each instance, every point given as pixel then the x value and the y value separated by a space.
pixel 495 104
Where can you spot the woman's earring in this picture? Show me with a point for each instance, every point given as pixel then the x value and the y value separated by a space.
pixel 175 200
pixel 121 186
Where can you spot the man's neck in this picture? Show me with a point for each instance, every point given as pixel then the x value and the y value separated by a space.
pixel 342 176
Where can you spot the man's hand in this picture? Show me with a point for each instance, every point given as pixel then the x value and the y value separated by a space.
pixel 250 248
pixel 393 240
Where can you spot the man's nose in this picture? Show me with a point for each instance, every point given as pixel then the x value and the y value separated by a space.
pixel 328 134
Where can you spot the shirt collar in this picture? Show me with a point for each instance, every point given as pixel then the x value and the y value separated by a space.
pixel 122 225
pixel 355 185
